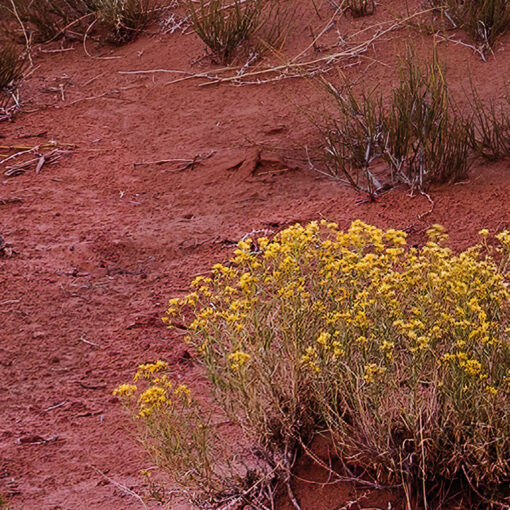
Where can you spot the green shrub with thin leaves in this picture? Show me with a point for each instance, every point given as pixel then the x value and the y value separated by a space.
pixel 420 134
pixel 426 138
pixel 226 27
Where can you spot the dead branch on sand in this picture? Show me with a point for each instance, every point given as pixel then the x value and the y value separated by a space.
pixel 296 67
pixel 43 154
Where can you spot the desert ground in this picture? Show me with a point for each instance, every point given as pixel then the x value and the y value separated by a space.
pixel 99 239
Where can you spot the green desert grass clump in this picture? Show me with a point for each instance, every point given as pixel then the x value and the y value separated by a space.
pixel 427 139
pixel 227 27
pixel 354 136
pixel 490 136
pixel 418 132
pixel 400 357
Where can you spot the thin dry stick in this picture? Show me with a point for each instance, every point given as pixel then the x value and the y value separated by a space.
pixel 188 162
pixel 431 202
pixel 112 92
pixel 88 82
pixel 85 44
pixel 174 71
pixel 27 39
pixel 62 30
pixel 442 38
pixel 337 476
pixel 321 33
pixel 58 50
pixel 123 488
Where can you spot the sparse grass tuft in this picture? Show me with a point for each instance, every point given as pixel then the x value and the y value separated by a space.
pixel 490 137
pixel 226 27
pixel 354 136
pixel 124 18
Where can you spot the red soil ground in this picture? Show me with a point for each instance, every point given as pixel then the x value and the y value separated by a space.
pixel 100 244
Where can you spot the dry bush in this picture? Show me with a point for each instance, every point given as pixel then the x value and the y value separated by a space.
pixel 226 27
pixel 401 357
pixel 12 64
pixel 47 19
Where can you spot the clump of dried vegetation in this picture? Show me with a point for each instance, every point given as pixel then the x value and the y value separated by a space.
pixel 398 357
pixel 125 19
pixel 47 19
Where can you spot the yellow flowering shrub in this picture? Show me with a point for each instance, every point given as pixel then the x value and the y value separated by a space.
pixel 401 355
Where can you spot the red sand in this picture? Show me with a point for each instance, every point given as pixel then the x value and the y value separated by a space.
pixel 100 245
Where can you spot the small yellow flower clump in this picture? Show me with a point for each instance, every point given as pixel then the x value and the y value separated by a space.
pixel 158 393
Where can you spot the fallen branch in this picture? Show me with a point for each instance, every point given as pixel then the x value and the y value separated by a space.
pixel 295 67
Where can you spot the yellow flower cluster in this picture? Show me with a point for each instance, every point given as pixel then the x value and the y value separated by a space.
pixel 158 394
pixel 147 370
pixel 372 371
pixel 238 359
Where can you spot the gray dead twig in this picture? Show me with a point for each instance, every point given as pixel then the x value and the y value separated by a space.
pixel 186 163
